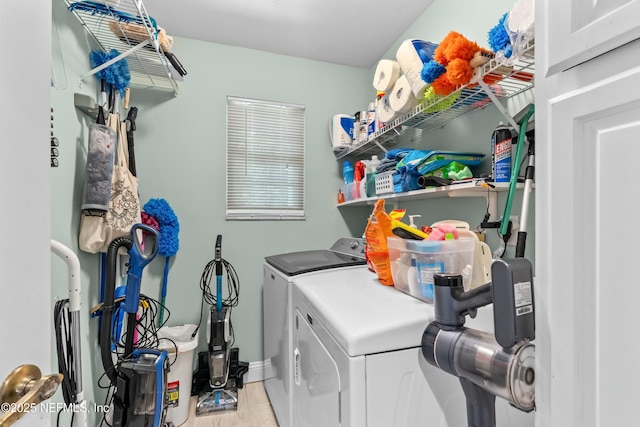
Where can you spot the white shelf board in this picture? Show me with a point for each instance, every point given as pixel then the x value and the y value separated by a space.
pixel 472 188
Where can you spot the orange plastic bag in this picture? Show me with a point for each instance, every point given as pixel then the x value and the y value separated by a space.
pixel 376 233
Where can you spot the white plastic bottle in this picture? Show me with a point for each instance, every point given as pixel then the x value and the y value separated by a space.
pixel 371 176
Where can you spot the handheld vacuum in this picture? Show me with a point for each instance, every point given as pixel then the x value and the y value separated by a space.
pixel 487 366
pixel 140 375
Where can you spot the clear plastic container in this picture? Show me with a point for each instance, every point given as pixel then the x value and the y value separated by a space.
pixel 414 262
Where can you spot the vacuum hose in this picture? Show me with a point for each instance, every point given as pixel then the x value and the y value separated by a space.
pixel 108 306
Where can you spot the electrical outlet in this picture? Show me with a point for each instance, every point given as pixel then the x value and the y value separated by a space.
pixel 515 226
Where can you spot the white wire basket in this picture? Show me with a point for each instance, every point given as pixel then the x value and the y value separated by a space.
pixel 384 183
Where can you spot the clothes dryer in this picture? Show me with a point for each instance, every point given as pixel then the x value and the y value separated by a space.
pixel 358 362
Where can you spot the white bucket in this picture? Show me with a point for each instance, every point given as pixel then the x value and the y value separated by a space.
pixel 181 370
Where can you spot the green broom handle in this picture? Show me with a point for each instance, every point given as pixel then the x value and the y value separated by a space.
pixel 513 183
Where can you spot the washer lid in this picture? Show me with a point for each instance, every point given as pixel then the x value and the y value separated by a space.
pixel 304 262
pixel 362 315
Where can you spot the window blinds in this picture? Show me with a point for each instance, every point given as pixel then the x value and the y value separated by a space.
pixel 265 159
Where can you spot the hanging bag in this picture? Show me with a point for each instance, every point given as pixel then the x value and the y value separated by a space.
pixel 99 229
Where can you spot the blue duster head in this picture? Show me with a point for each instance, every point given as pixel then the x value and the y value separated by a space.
pixel 432 70
pixel 499 37
pixel 168 243
pixel 116 74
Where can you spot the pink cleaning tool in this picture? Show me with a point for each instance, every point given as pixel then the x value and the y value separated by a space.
pixel 442 231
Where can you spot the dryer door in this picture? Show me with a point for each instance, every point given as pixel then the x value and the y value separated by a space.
pixel 316 396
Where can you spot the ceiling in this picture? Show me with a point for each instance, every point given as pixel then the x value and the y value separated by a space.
pixel 348 32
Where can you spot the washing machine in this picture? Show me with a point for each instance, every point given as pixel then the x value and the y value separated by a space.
pixel 358 362
pixel 279 272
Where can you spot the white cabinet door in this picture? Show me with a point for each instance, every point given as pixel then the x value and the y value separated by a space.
pixel 588 122
pixel 581 30
pixel 591 251
pixel 25 304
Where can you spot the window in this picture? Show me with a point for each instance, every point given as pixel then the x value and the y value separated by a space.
pixel 265 160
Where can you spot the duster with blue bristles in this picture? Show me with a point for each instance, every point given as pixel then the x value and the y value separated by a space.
pixel 116 74
pixel 168 242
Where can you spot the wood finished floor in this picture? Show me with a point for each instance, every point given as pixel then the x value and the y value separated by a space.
pixel 254 410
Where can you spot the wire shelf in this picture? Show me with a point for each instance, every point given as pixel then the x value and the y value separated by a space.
pixel 148 66
pixel 505 82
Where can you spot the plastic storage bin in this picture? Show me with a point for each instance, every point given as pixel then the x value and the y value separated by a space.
pixel 354 191
pixel 181 371
pixel 414 262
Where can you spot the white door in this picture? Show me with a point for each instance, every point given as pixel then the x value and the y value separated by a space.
pixel 25 304
pixel 582 30
pixel 588 146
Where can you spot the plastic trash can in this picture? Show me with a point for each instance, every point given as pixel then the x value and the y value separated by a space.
pixel 181 370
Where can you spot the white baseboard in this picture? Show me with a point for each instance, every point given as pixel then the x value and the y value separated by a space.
pixel 255 372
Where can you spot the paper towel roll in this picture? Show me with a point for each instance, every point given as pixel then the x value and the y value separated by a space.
pixel 387 72
pixel 341 130
pixel 411 56
pixel 384 112
pixel 401 97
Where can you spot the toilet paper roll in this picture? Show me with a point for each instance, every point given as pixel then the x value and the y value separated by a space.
pixel 411 56
pixel 384 113
pixel 341 130
pixel 387 72
pixel 401 97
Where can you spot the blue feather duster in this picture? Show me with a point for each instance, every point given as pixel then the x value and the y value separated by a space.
pixel 116 74
pixel 432 70
pixel 499 38
pixel 168 242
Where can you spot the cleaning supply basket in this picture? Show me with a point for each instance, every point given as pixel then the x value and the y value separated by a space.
pixel 384 183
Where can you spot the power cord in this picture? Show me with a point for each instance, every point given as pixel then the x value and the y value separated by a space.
pixel 62 322
pixel 209 296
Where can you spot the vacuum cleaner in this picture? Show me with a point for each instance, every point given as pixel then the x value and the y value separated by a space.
pixel 487 365
pixel 222 370
pixel 140 376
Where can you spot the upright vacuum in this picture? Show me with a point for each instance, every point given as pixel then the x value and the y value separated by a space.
pixel 221 372
pixel 140 374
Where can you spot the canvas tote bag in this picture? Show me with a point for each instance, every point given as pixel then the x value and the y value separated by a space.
pixel 97 231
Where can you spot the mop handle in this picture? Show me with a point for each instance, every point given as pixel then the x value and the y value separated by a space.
pixel 219 293
pixel 218 262
pixel 163 292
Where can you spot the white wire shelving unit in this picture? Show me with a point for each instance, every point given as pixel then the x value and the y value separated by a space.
pixel 508 81
pixel 148 66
